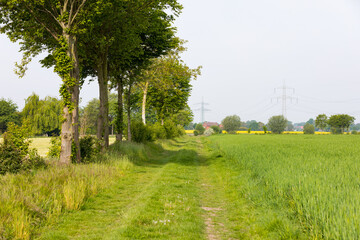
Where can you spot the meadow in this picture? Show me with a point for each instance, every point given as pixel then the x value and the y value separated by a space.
pixel 316 178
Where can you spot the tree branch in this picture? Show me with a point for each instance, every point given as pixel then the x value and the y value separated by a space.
pixel 77 12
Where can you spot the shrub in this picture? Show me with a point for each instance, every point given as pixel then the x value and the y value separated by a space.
pixel 15 154
pixel 90 147
pixel 55 147
pixel 265 129
pixel 196 133
pixel 172 131
pixel 354 132
pixel 249 130
pixel 199 127
pixel 140 133
pixel 216 129
pixel 209 132
pixel 309 129
pixel 158 131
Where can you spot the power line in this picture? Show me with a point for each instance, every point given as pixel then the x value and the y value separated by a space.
pixel 202 109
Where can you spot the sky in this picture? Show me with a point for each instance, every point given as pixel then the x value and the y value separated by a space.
pixel 248 50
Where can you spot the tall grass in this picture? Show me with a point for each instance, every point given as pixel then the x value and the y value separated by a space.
pixel 317 176
pixel 28 201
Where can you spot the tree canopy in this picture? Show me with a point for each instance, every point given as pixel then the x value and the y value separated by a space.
pixel 8 113
pixel 277 124
pixel 231 123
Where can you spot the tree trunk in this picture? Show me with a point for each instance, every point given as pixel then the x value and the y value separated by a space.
pixel 103 120
pixel 143 112
pixel 120 116
pixel 128 100
pixel 70 125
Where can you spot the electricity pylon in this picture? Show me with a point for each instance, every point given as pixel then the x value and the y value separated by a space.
pixel 202 109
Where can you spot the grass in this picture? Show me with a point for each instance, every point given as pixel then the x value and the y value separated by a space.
pixel 158 199
pixel 29 201
pixel 222 187
pixel 315 179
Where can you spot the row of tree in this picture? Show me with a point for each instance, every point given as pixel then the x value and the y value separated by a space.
pixel 127 45
pixel 277 124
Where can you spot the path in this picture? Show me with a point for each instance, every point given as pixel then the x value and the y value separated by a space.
pixel 186 192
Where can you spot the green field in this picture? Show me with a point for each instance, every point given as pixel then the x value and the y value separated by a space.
pixel 316 177
pixel 219 187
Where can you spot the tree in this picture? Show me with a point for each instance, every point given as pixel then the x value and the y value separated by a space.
pixel 340 122
pixel 254 125
pixel 277 124
pixel 200 129
pixel 290 126
pixel 89 117
pixel 231 123
pixel 43 116
pixel 309 129
pixel 166 84
pixel 8 113
pixel 53 26
pixel 321 121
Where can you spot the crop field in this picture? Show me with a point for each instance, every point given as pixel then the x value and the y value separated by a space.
pixel 316 178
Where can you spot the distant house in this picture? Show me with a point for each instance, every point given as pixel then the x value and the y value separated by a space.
pixel 207 125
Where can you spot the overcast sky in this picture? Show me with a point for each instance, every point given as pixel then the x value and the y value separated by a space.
pixel 247 49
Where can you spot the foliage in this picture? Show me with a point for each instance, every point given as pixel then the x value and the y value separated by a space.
pixel 231 123
pixel 141 133
pixel 169 86
pixel 340 122
pixel 209 132
pixel 158 131
pixel 42 115
pixel 200 129
pixel 55 147
pixel 90 148
pixel 254 125
pixel 354 132
pixel 309 129
pixel 277 124
pixel 321 121
pixel 216 129
pixel 172 130
pixel 265 129
pixel 8 113
pixel 15 153
pixel 196 133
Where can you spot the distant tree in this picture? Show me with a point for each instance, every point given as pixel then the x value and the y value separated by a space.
pixel 277 124
pixel 311 121
pixel 340 122
pixel 8 113
pixel 254 125
pixel 231 123
pixel 290 126
pixel 199 128
pixel 309 129
pixel 321 121
pixel 43 116
pixel 89 117
pixel 184 117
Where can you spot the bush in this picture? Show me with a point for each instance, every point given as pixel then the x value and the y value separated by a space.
pixel 277 124
pixel 158 131
pixel 141 133
pixel 354 132
pixel 172 131
pixel 15 154
pixel 265 129
pixel 309 129
pixel 199 127
pixel 90 147
pixel 216 129
pixel 249 130
pixel 196 133
pixel 209 132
